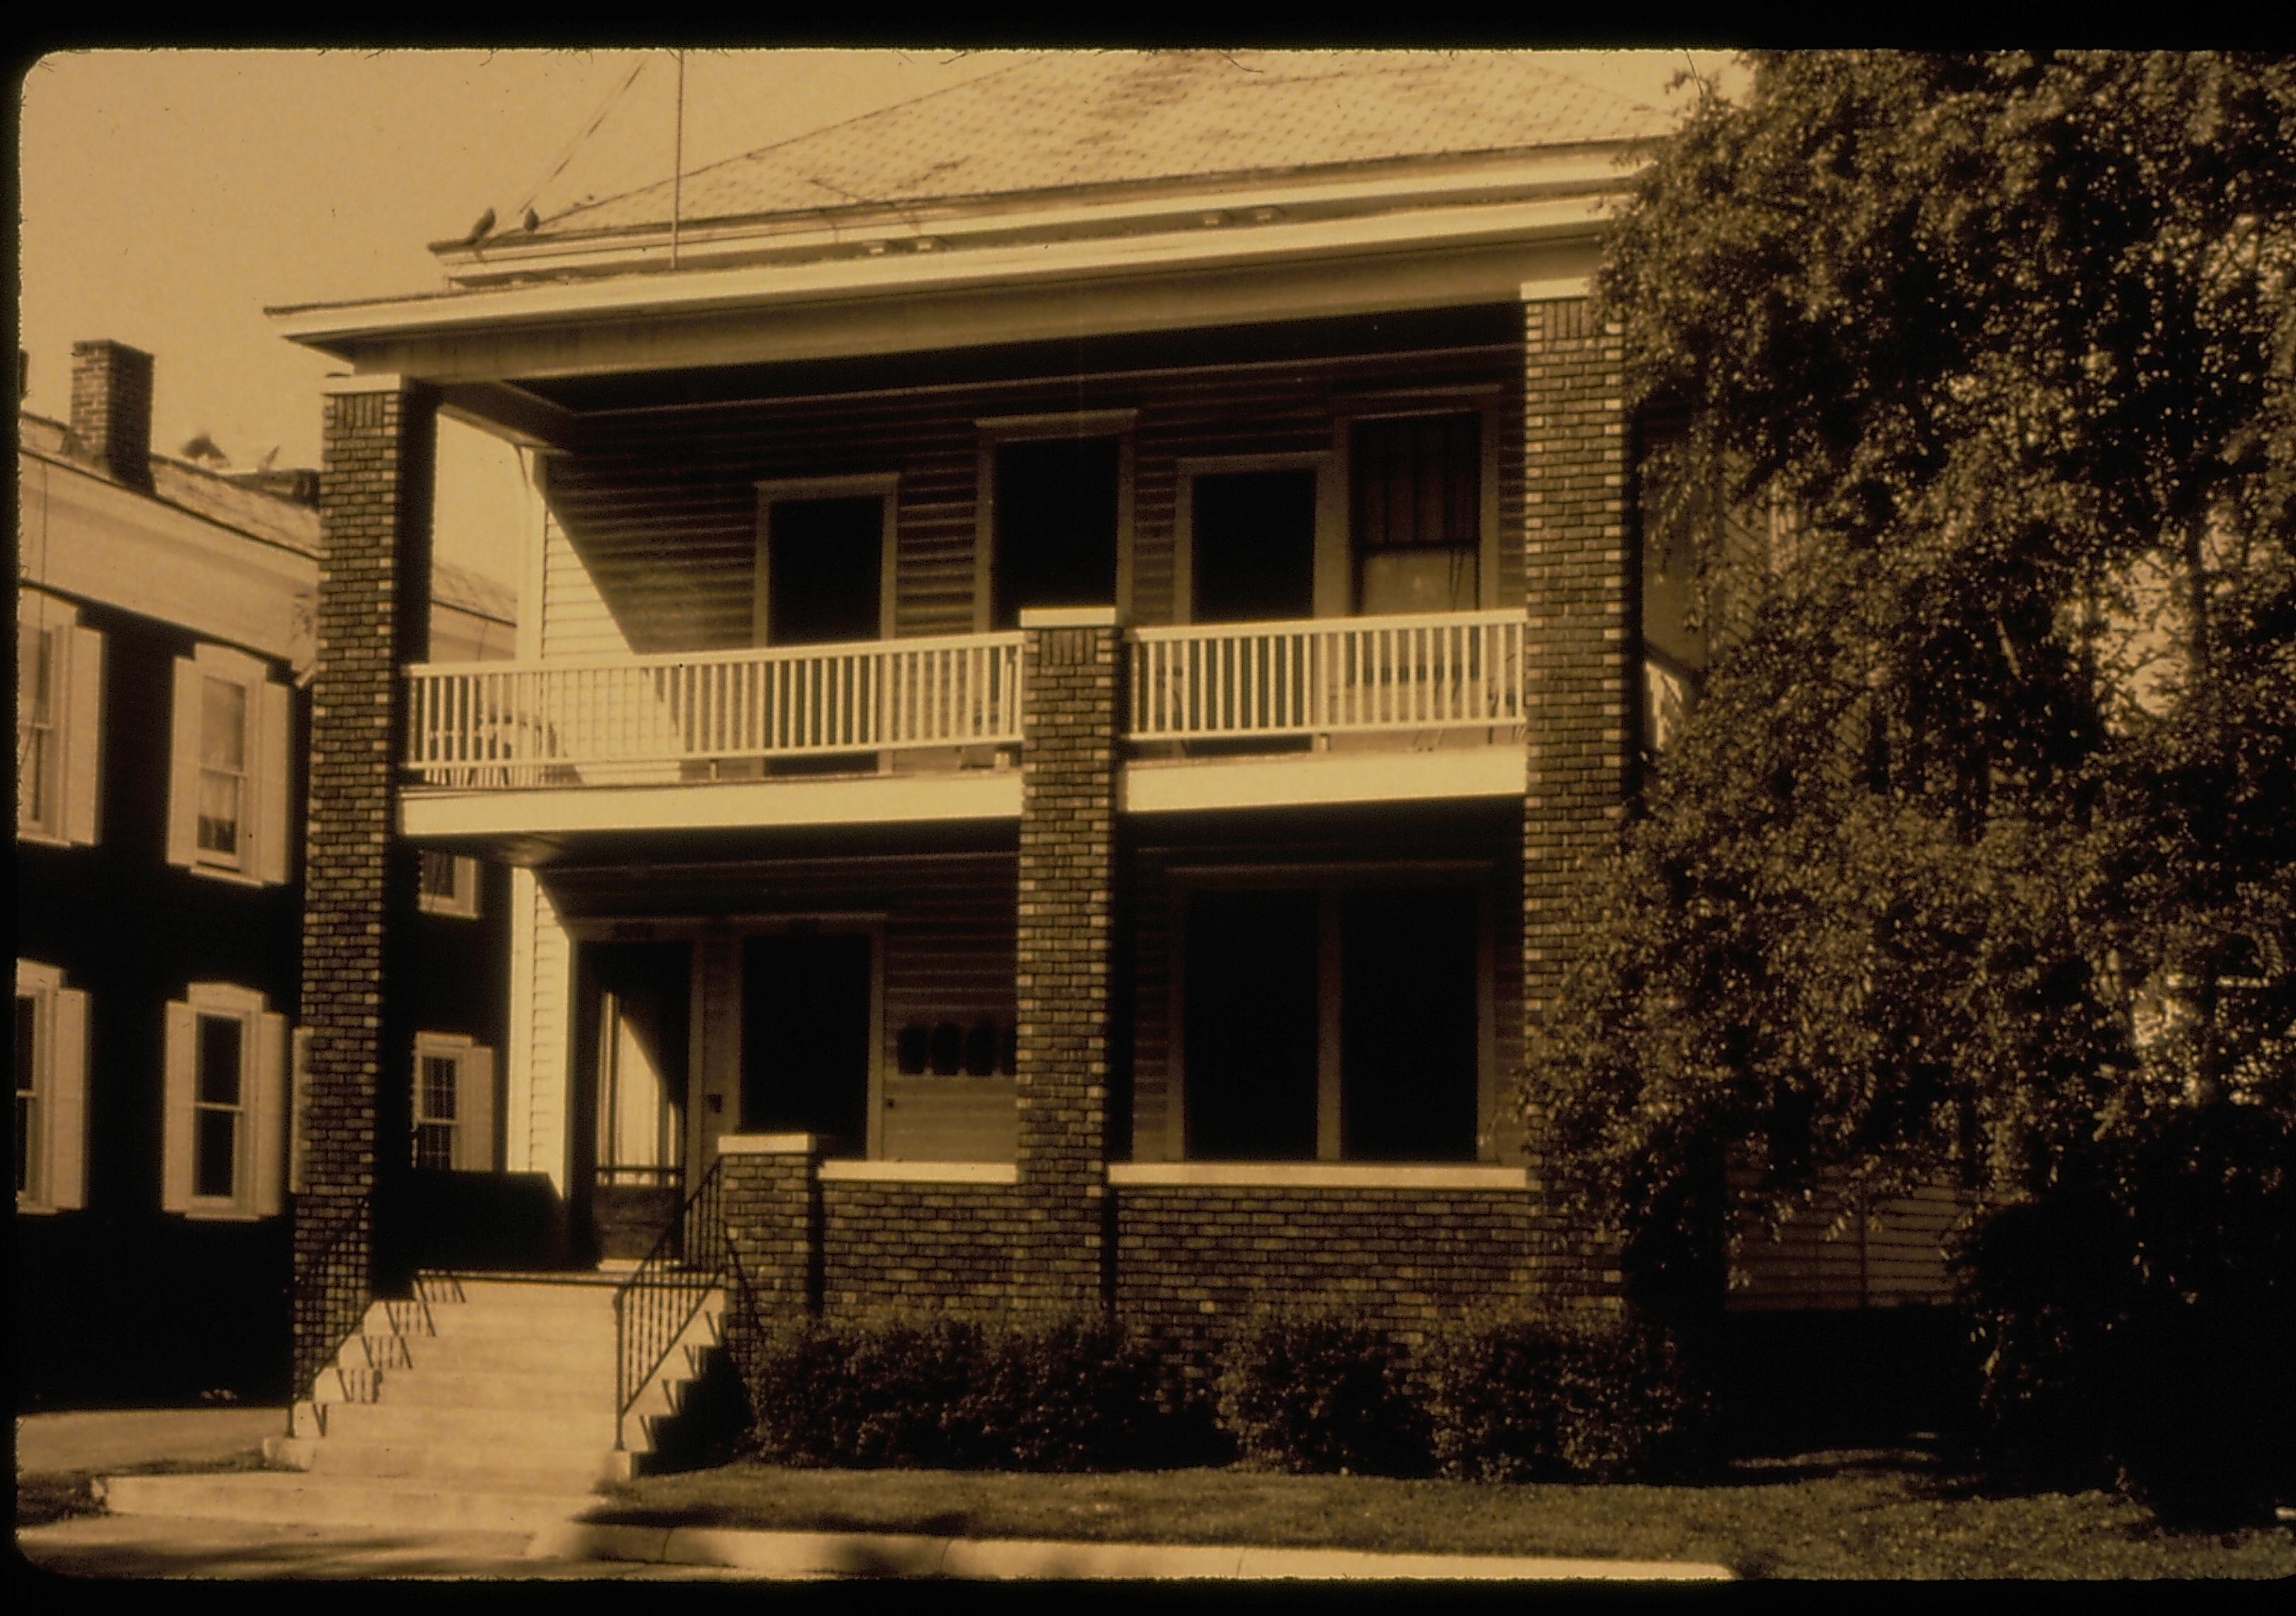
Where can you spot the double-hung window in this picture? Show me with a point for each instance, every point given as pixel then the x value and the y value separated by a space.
pixel 227 809
pixel 454 1104
pixel 449 884
pixel 50 1090
pixel 59 721
pixel 226 1104
pixel 1418 517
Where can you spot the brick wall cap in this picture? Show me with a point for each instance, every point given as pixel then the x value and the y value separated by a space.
pixel 1070 616
pixel 1316 1175
pixel 767 1145
pixel 384 382
pixel 1556 287
pixel 920 1172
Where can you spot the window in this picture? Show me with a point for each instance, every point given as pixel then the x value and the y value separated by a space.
pixel 453 1104
pixel 449 884
pixel 59 721
pixel 1417 504
pixel 228 804
pixel 226 1103
pixel 825 560
pixel 1335 1023
pixel 1052 521
pixel 50 1090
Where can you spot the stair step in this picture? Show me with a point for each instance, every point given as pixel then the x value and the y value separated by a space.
pixel 384 1504
pixel 554 1425
pixel 461 1319
pixel 510 1354
pixel 452 1461
pixel 452 1388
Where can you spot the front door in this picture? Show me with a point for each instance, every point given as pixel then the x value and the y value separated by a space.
pixel 805 1036
pixel 632 1050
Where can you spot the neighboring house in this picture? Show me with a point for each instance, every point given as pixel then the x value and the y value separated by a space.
pixel 1076 635
pixel 163 660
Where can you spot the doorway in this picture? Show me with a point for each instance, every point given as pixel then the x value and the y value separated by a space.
pixel 808 1035
pixel 1057 508
pixel 631 1051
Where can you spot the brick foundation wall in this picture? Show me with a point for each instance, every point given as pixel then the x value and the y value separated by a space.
pixel 1579 667
pixel 893 1244
pixel 1071 668
pixel 359 900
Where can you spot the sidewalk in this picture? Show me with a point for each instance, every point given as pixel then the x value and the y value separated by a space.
pixel 437 1543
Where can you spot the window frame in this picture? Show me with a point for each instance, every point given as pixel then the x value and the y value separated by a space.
pixel 472 1150
pixel 1332 885
pixel 1344 562
pixel 258 1148
pixel 884 487
pixel 73 664
pixel 265 855
pixel 55 1143
pixel 991 433
pixel 1331 537
pixel 461 901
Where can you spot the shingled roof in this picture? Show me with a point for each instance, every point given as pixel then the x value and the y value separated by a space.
pixel 1071 119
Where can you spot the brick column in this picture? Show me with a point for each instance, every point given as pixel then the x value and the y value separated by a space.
pixel 1579 667
pixel 1071 665
pixel 360 895
pixel 771 1191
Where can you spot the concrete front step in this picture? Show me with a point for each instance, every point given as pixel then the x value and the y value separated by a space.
pixel 554 1467
pixel 384 1504
pixel 484 1353
pixel 554 1423
pixel 590 1385
pixel 422 1320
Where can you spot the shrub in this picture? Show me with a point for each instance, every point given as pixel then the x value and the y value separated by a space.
pixel 1058 1392
pixel 1309 1391
pixel 2136 1318
pixel 1528 1396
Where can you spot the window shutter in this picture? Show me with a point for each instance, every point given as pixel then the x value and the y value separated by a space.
pixel 275 759
pixel 84 742
pixel 176 1164
pixel 268 1114
pixel 474 1111
pixel 184 770
pixel 67 1187
pixel 298 1094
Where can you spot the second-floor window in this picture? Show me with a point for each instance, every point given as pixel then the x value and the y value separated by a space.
pixel 449 884
pixel 228 788
pixel 59 721
pixel 1417 516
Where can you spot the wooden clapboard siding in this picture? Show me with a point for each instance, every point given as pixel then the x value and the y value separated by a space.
pixel 1154 908
pixel 1827 1256
pixel 652 538
pixel 948 923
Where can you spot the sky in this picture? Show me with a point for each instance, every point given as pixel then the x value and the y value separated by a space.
pixel 167 197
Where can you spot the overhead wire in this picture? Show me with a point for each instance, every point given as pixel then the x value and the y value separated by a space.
pixel 587 130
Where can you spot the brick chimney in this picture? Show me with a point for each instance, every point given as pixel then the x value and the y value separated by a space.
pixel 111 410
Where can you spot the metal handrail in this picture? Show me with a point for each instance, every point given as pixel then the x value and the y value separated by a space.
pixel 655 1304
pixel 356 1220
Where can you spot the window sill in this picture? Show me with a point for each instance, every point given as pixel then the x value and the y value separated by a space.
pixel 921 1172
pixel 39 1208
pixel 1317 1174
pixel 207 872
pixel 200 1214
pixel 47 839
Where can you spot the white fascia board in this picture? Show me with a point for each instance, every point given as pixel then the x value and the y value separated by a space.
pixel 1322 777
pixel 1314 1176
pixel 1136 210
pixel 705 291
pixel 869 800
pixel 80 535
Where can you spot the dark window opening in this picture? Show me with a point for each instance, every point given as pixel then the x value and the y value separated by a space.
pixel 1055 525
pixel 1249 1003
pixel 824 570
pixel 1417 509
pixel 1253 535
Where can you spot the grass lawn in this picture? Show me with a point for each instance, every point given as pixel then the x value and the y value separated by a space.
pixel 1839 1514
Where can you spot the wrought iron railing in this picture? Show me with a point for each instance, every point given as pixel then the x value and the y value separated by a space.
pixel 341 1274
pixel 655 1304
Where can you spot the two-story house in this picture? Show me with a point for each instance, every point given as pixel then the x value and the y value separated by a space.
pixel 1077 634
pixel 163 658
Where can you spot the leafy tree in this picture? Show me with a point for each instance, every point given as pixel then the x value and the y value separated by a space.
pixel 1979 853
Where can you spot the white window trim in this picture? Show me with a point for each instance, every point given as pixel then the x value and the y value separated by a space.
pixel 1331 522
pixel 58 1155
pixel 474 1097
pixel 1335 559
pixel 76 720
pixel 259 1167
pixel 992 431
pixel 885 487
pixel 463 902
pixel 265 827
pixel 1331 885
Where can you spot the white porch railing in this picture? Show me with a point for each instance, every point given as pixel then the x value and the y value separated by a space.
pixel 645 718
pixel 1328 676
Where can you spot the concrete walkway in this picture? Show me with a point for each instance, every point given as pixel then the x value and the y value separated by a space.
pixel 190 1538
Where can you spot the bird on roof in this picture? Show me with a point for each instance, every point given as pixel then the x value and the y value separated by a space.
pixel 533 221
pixel 478 231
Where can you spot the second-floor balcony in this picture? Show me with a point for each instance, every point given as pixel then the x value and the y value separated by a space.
pixel 1233 692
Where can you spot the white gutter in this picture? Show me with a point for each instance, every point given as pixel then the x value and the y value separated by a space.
pixel 703 291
